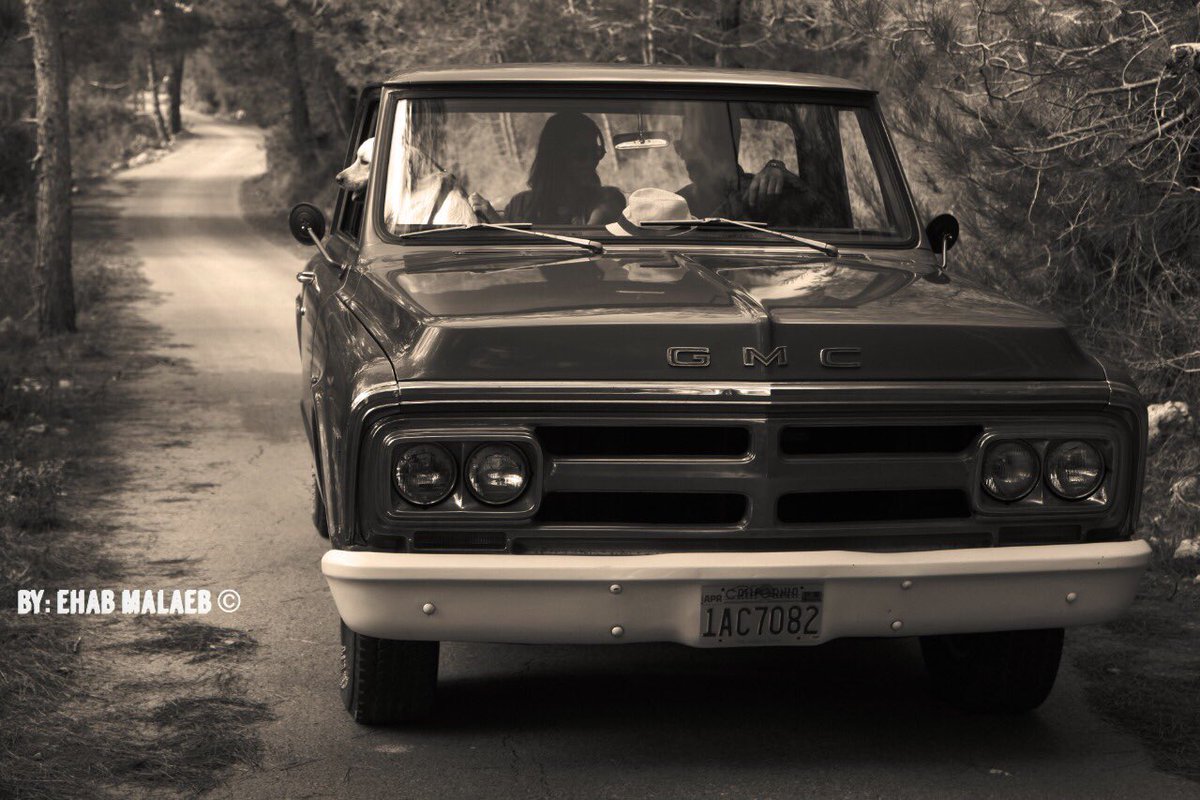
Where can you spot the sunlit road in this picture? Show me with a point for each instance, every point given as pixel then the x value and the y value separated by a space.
pixel 221 475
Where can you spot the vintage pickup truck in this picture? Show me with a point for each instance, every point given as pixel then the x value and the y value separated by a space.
pixel 601 354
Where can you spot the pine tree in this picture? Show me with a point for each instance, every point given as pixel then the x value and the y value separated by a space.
pixel 54 292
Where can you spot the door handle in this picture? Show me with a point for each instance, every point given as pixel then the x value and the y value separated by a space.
pixel 306 277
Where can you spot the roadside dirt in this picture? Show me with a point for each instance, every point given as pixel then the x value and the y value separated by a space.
pixel 100 705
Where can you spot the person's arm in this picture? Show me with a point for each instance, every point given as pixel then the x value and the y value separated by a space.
pixel 483 209
pixel 612 203
pixel 768 184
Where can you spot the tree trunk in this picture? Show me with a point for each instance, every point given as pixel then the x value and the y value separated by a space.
pixel 164 136
pixel 137 103
pixel 606 125
pixel 336 109
pixel 54 291
pixel 175 94
pixel 648 48
pixel 729 23
pixel 300 123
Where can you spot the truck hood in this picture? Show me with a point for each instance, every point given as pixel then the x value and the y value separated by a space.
pixel 496 315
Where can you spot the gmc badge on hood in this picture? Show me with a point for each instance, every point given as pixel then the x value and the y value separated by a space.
pixel 833 357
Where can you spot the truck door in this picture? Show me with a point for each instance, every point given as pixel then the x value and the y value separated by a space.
pixel 342 242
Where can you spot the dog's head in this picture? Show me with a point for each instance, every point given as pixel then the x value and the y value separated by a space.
pixel 354 177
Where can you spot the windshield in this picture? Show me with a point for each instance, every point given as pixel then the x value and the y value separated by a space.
pixel 600 167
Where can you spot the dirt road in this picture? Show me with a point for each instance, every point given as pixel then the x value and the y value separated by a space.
pixel 221 476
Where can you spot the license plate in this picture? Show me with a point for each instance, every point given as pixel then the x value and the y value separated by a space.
pixel 760 613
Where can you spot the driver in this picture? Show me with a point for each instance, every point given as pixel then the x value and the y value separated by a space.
pixel 708 145
pixel 564 187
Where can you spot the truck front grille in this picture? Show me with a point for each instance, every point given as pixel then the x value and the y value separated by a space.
pixel 800 508
pixel 671 480
pixel 641 508
pixel 799 440
pixel 643 441
pixel 459 541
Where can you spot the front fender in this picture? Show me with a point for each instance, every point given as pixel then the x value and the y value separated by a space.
pixel 356 377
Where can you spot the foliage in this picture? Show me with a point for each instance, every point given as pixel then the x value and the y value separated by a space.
pixel 1068 135
pixel 29 494
pixel 17 236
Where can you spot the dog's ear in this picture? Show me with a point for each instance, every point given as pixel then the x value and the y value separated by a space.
pixel 365 149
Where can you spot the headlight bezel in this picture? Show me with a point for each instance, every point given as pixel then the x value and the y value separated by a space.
pixel 461 503
pixel 1041 499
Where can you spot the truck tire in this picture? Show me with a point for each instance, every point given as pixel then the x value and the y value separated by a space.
pixel 385 681
pixel 319 519
pixel 1009 672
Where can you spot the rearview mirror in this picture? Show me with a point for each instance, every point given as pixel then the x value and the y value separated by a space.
pixel 942 233
pixel 642 140
pixel 307 224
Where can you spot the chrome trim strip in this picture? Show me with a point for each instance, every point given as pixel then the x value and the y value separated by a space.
pixel 872 393
pixel 365 397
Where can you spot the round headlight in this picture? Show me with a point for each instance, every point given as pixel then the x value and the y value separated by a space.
pixel 497 474
pixel 1074 470
pixel 425 474
pixel 1010 470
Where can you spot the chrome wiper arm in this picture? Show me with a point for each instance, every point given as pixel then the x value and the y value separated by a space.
pixel 515 227
pixel 823 247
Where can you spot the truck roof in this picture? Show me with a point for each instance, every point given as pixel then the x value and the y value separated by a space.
pixel 619 73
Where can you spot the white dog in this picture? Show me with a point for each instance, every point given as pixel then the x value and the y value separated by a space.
pixel 354 177
pixel 434 199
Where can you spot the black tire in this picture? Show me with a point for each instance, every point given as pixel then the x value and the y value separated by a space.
pixel 385 681
pixel 319 519
pixel 1010 672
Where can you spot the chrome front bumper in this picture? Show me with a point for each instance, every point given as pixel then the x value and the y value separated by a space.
pixel 576 599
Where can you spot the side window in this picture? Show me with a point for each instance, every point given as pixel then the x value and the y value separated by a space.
pixel 354 205
pixel 763 140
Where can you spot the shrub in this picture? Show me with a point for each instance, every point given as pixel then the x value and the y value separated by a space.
pixel 29 494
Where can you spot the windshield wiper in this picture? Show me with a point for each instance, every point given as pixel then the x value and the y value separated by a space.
pixel 823 247
pixel 515 227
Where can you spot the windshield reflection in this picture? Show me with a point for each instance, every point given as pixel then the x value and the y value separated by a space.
pixel 601 167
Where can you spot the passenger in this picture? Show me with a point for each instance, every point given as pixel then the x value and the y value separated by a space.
pixel 708 145
pixel 564 187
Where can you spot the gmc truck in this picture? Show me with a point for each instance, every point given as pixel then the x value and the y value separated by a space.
pixel 611 354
